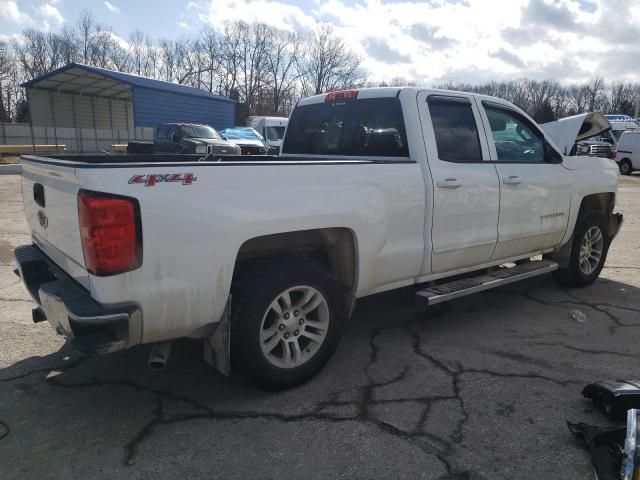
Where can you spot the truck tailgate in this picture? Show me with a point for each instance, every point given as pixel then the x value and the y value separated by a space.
pixel 49 193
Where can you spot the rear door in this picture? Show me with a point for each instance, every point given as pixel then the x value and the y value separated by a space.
pixel 465 184
pixel 535 192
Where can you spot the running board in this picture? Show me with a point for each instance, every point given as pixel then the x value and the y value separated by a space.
pixel 503 276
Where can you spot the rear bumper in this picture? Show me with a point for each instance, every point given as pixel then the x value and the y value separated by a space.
pixel 69 308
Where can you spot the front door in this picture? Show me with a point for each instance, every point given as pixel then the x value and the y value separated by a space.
pixel 465 184
pixel 535 189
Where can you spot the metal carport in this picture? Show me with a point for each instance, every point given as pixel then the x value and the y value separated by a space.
pixel 97 103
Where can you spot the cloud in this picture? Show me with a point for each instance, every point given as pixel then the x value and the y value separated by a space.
pixel 277 14
pixel 184 25
pixel 111 7
pixel 554 15
pixel 459 40
pixel 427 35
pixel 508 58
pixel 50 15
pixel 10 12
pixel 380 50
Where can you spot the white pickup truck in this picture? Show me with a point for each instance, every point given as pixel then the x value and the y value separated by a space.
pixel 263 259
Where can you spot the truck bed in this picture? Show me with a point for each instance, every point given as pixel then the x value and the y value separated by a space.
pixel 98 161
pixel 145 158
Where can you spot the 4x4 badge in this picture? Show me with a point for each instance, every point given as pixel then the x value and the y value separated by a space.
pixel 153 179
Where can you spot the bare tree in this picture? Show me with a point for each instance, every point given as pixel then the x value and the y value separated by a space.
pixel 6 64
pixel 284 51
pixel 328 63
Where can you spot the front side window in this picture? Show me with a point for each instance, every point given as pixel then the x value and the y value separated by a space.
pixel 367 127
pixel 455 129
pixel 514 138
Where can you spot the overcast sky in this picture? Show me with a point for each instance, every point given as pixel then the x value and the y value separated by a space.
pixel 428 42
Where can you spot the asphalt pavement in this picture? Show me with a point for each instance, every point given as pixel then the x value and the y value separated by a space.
pixel 479 388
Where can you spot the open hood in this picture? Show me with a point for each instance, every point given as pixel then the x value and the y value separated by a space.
pixel 567 131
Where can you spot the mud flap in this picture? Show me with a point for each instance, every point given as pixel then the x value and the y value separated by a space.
pixel 217 347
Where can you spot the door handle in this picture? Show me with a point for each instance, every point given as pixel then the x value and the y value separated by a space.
pixel 512 180
pixel 449 183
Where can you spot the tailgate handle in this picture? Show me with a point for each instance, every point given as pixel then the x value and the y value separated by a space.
pixel 38 194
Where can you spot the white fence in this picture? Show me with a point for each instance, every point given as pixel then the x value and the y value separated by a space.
pixel 76 139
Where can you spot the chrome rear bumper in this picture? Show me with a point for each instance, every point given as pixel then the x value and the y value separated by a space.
pixel 90 326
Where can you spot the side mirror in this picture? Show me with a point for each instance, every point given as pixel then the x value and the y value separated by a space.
pixel 176 137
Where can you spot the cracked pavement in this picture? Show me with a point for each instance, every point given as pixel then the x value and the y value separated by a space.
pixel 479 388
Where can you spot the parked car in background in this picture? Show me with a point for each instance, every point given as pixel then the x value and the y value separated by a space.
pixel 621 124
pixel 586 134
pixel 272 129
pixel 619 118
pixel 628 154
pixel 599 146
pixel 249 141
pixel 263 259
pixel 191 138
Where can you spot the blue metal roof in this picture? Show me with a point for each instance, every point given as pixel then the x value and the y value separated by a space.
pixel 132 80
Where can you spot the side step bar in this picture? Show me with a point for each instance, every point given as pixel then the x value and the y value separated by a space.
pixel 503 276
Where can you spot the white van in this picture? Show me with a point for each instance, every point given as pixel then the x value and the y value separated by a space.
pixel 628 156
pixel 272 129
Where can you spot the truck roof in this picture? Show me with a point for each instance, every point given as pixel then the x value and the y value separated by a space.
pixel 379 92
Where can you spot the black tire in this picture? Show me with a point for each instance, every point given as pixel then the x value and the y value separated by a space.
pixel 572 275
pixel 254 289
pixel 625 166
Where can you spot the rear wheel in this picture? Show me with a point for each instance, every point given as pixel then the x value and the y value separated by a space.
pixel 625 166
pixel 286 321
pixel 589 249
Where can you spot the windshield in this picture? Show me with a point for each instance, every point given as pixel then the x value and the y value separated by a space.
pixel 199 131
pixel 368 127
pixel 241 134
pixel 274 133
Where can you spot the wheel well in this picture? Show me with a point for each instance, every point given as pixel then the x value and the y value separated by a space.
pixel 598 202
pixel 333 247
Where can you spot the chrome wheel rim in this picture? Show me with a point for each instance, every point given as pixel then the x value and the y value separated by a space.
pixel 294 327
pixel 591 249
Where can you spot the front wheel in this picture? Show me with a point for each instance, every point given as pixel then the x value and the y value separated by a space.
pixel 589 248
pixel 286 320
pixel 625 166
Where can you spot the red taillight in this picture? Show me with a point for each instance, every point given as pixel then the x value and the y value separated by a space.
pixel 110 232
pixel 341 95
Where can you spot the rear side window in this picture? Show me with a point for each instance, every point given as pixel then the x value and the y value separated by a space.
pixel 455 129
pixel 366 127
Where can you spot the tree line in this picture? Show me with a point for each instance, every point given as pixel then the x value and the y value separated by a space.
pixel 263 68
